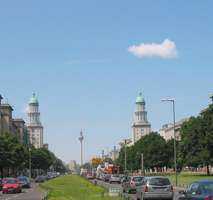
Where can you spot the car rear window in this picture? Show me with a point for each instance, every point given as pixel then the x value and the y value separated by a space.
pixel 207 187
pixel 137 179
pixel 11 181
pixel 159 181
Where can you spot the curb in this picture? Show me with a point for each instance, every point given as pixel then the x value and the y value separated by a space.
pixel 45 196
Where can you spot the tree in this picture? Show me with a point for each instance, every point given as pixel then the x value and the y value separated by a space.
pixel 197 140
pixel 13 155
pixel 42 158
pixel 153 147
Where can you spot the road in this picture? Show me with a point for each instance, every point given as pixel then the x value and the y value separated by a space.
pixel 129 196
pixel 27 194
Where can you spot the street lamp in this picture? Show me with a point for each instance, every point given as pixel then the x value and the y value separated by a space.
pixel 125 155
pixel 175 150
pixel 0 112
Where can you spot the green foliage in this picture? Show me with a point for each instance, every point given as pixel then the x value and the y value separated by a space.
pixel 197 140
pixel 154 149
pixel 12 153
pixel 42 158
pixel 15 155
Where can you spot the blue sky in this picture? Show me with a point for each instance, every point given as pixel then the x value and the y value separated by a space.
pixel 74 55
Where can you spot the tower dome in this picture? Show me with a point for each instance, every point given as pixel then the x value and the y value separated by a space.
pixel 140 98
pixel 33 99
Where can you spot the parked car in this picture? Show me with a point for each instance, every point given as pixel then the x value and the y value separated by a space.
pixel 11 185
pixel 0 184
pixel 24 181
pixel 155 187
pixel 89 176
pixel 115 178
pixel 107 177
pixel 40 179
pixel 130 184
pixel 199 190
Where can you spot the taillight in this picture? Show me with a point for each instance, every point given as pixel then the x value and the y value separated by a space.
pixel 146 189
pixel 208 198
pixel 132 183
pixel 172 189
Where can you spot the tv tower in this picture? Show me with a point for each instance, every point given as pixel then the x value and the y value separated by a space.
pixel 81 138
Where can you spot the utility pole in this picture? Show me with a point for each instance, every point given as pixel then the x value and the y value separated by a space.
pixel 125 167
pixel 0 113
pixel 81 138
pixel 142 165
pixel 175 150
pixel 30 166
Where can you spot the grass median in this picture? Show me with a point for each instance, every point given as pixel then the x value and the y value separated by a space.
pixel 74 187
pixel 185 179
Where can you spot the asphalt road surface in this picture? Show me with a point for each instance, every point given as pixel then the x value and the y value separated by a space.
pixel 27 194
pixel 128 196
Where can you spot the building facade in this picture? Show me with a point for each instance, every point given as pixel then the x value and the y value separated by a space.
pixel 72 166
pixel 140 126
pixel 114 154
pixel 9 125
pixel 167 130
pixel 34 125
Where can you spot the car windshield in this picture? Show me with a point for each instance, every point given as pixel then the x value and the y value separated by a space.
pixel 207 187
pixel 10 181
pixel 159 181
pixel 137 179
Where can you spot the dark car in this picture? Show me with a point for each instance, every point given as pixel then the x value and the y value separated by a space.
pixel 24 181
pixel 107 177
pixel 1 184
pixel 199 190
pixel 40 179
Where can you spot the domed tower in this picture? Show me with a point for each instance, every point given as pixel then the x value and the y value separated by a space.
pixel 140 126
pixel 34 125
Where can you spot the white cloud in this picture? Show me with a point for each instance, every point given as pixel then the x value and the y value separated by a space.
pixel 166 49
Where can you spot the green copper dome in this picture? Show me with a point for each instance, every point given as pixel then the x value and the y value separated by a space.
pixel 33 99
pixel 140 99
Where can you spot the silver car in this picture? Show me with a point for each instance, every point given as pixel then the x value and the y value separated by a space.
pixel 115 178
pixel 155 187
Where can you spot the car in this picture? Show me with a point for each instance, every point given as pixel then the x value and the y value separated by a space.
pixel 0 184
pixel 24 181
pixel 11 185
pixel 130 184
pixel 155 187
pixel 115 178
pixel 106 177
pixel 199 190
pixel 40 179
pixel 89 176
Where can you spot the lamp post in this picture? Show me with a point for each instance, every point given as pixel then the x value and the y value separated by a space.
pixel 125 156
pixel 0 112
pixel 81 138
pixel 30 166
pixel 175 150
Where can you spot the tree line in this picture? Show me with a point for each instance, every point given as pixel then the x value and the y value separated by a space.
pixel 16 158
pixel 195 148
